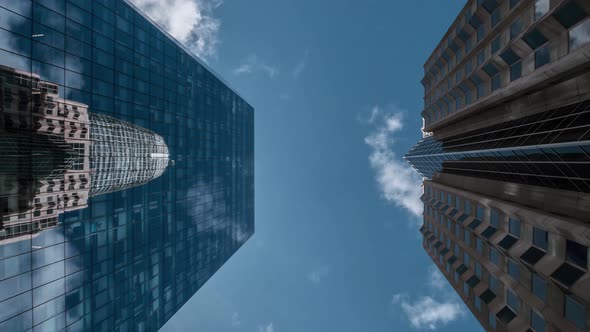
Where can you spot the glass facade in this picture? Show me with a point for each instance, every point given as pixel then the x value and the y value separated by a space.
pixel 549 149
pixel 130 176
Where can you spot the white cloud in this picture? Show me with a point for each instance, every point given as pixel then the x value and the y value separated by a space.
pixel 429 312
pixel 301 65
pixel 437 279
pixel 398 182
pixel 253 64
pixel 235 320
pixel 189 21
pixel 267 328
pixel 317 275
pixel 426 312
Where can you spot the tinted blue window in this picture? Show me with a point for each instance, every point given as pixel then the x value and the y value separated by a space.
pixel 496 82
pixel 494 256
pixel 513 269
pixel 78 14
pixel 512 300
pixel 492 319
pixel 575 312
pixel 537 322
pixel 495 218
pixel 479 213
pixel 542 56
pixel 496 17
pixel 514 227
pixel 494 284
pixel 515 71
pixel 540 238
pixel 515 28
pixel 539 287
pixel 496 45
pixel 479 245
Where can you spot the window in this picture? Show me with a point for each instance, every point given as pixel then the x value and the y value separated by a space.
pixel 479 212
pixel 496 44
pixel 580 35
pixel 496 17
pixel 478 271
pixel 466 237
pixel 457 250
pixel 513 269
pixel 466 259
pixel 496 82
pixel 535 39
pixel 458 232
pixel 540 238
pixel 468 67
pixel 494 256
pixel 513 3
pixel 458 202
pixel 468 45
pixel 576 253
pixel 537 322
pixel 466 289
pixel 494 285
pixel 575 312
pixel 479 245
pixel 458 75
pixel 514 227
pixel 516 71
pixel 492 319
pixel 541 8
pixel 481 32
pixel 539 287
pixel 542 56
pixel 481 58
pixel 477 302
pixel 512 300
pixel 468 97
pixel 467 207
pixel 495 218
pixel 515 28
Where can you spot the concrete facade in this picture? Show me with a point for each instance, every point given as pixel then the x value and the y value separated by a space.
pixel 516 253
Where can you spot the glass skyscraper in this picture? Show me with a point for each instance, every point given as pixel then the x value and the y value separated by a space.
pixel 127 172
pixel 505 158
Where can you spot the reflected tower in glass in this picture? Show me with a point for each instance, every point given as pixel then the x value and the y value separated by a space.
pixel 505 158
pixel 127 178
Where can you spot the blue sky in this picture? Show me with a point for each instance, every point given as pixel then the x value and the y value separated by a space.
pixel 336 88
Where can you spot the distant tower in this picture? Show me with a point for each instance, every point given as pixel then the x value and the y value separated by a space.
pixel 56 155
pixel 123 155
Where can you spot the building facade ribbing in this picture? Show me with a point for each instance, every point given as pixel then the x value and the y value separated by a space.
pixel 506 157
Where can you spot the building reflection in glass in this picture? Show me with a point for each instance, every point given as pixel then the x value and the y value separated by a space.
pixel 57 154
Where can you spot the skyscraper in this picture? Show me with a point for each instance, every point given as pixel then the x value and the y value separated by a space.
pixel 96 154
pixel 506 161
pixel 127 169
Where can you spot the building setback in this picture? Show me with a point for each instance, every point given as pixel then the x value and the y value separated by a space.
pixel 100 230
pixel 506 161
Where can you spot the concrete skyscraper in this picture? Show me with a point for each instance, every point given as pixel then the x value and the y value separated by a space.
pixel 506 162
